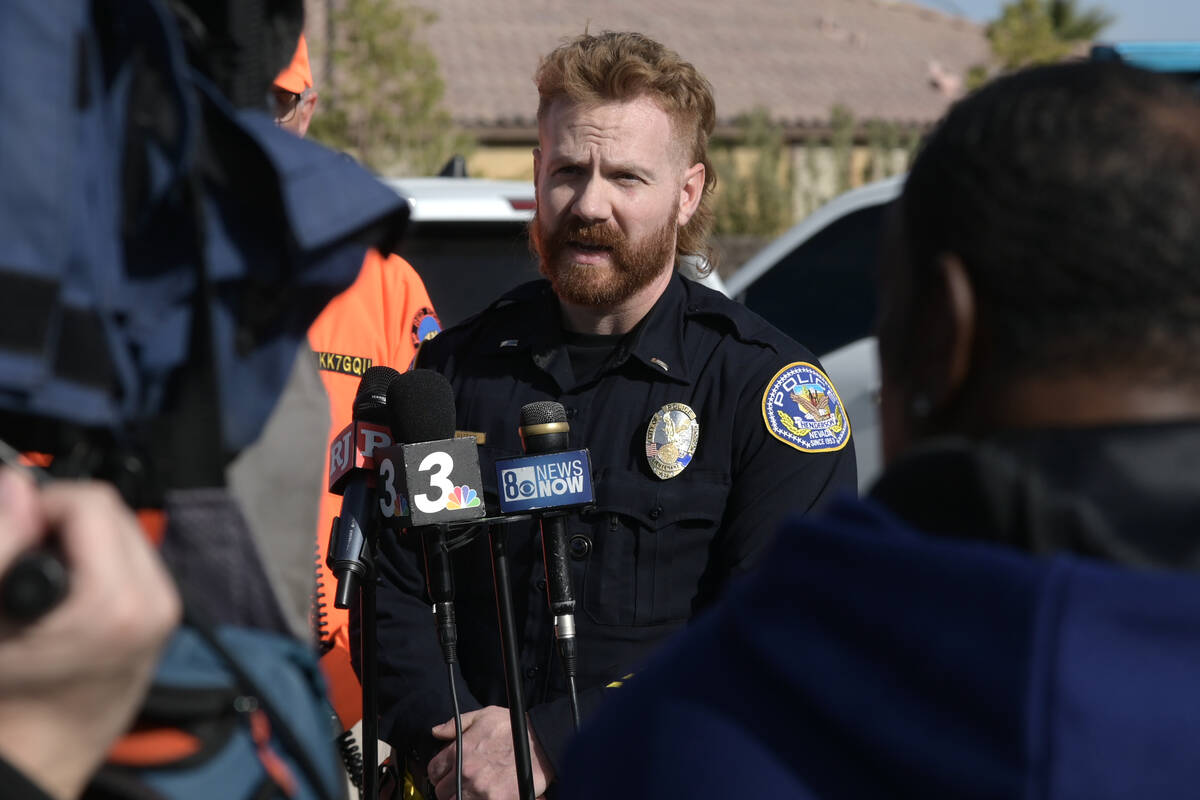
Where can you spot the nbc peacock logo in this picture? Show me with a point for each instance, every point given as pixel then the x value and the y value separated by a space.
pixel 462 497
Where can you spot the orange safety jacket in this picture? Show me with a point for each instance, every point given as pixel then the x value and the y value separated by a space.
pixel 379 321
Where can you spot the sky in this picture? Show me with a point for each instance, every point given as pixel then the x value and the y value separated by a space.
pixel 1136 19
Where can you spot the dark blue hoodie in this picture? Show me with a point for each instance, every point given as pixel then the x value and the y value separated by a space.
pixel 870 659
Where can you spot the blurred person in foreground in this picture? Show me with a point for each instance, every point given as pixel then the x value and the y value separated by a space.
pixel 380 320
pixel 1009 614
pixel 166 366
pixel 71 683
pixel 677 391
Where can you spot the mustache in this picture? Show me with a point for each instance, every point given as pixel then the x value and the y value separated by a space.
pixel 596 234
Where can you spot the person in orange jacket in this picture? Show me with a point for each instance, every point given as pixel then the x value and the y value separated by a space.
pixel 380 320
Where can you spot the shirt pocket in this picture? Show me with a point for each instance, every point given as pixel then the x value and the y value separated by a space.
pixel 649 545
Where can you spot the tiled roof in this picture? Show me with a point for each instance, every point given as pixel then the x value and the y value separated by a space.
pixel 882 60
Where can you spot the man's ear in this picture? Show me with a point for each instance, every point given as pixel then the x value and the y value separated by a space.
pixel 690 193
pixel 945 334
pixel 537 171
pixel 964 319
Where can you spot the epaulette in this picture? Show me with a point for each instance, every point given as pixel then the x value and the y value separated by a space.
pixel 533 290
pixel 716 309
pixel 464 335
pixel 526 292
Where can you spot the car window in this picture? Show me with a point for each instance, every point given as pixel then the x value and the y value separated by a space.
pixel 822 293
pixel 466 266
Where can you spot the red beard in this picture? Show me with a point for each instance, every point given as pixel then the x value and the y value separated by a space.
pixel 633 264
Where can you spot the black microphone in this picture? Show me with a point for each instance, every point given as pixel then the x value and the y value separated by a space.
pixel 33 585
pixel 544 430
pixel 37 580
pixel 430 479
pixel 352 475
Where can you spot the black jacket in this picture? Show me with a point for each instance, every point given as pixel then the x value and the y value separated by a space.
pixel 653 552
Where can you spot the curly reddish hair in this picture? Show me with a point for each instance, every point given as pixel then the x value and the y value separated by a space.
pixel 617 67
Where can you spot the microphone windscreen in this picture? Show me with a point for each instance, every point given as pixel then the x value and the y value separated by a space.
pixel 370 401
pixel 544 427
pixel 420 405
pixel 542 412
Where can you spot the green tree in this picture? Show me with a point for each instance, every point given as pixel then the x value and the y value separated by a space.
pixel 1041 31
pixel 1037 32
pixel 383 101
pixel 755 198
pixel 841 141
pixel 1074 25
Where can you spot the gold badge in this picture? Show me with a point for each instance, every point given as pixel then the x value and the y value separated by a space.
pixel 671 439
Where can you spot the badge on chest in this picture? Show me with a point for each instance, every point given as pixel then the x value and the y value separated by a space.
pixel 671 439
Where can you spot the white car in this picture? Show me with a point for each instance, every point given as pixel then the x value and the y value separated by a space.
pixel 467 239
pixel 816 283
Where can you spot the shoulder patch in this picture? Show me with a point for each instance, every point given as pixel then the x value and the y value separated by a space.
pixel 802 409
pixel 425 325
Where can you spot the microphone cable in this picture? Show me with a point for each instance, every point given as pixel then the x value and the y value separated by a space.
pixel 441 587
pixel 458 745
pixel 447 630
pixel 347 745
pixel 572 692
pixel 574 695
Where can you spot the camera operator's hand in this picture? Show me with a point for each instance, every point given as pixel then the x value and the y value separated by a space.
pixel 71 682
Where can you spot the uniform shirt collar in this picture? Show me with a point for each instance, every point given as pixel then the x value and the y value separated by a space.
pixel 656 342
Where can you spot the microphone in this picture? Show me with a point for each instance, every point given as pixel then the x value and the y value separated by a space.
pixel 551 478
pixel 352 475
pixel 429 480
pixel 37 580
pixel 33 585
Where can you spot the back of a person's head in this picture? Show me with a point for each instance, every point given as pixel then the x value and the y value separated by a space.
pixel 621 66
pixel 1072 195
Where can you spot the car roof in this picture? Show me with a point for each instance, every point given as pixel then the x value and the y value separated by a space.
pixel 872 194
pixel 1168 56
pixel 465 199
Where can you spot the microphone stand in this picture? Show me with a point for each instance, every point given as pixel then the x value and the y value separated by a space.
pixel 370 670
pixel 508 646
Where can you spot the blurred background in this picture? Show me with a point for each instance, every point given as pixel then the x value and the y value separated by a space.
pixel 821 106
pixel 815 97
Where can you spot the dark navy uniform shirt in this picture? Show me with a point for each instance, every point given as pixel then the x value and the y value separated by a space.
pixel 653 552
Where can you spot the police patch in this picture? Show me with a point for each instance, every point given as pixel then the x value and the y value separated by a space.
pixel 801 408
pixel 425 326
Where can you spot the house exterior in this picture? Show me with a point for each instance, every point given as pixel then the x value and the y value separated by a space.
pixel 852 83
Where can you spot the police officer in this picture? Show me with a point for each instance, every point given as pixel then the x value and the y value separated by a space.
pixel 705 424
